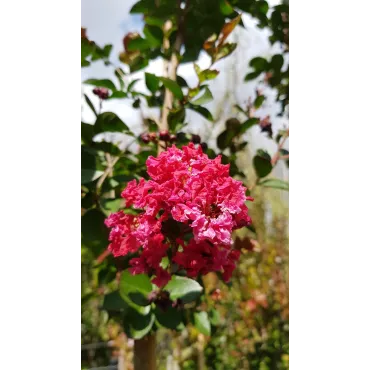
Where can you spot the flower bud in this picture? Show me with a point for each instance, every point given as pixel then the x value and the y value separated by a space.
pixel 196 139
pixel 164 135
pixel 101 92
pixel 145 138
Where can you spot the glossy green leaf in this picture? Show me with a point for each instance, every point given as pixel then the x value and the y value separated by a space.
pixel 239 108
pixel 90 104
pixel 89 175
pixel 251 76
pixel 181 81
pixel 117 95
pixel 259 64
pixel 138 44
pixel 248 124
pixel 119 73
pixel 224 139
pixel 204 99
pixel 262 163
pixel 132 84
pixel 259 101
pixel 94 232
pixel 207 74
pixel 101 83
pixel 274 183
pixel 171 318
pixel 202 323
pixel 214 317
pixel 114 302
pixel 184 288
pixel 224 51
pixel 277 62
pixel 152 82
pixel 225 7
pixel 109 122
pixel 263 6
pixel 154 35
pixel 173 87
pixel 202 111
pixel 137 325
pixel 87 133
pixel 136 287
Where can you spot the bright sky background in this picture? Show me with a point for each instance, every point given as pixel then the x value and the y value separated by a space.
pixel 108 21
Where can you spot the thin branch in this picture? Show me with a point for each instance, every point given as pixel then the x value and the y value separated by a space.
pixel 107 172
pixel 281 144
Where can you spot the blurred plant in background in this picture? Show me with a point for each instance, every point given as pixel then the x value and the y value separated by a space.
pixel 241 325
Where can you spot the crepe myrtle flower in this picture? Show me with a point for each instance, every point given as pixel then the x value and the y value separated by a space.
pixel 201 202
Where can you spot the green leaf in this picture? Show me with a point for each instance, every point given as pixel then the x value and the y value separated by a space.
pixel 214 317
pixel 248 124
pixel 89 175
pixel 94 232
pixel 263 6
pixel 181 81
pixel 136 287
pixel 101 83
pixel 259 64
pixel 119 73
pixel 204 99
pixel 197 69
pixel 277 62
pixel 251 76
pixel 171 318
pixel 274 183
pixel 202 111
pixel 240 109
pixel 109 122
pixel 154 21
pixel 225 7
pixel 137 325
pixel 112 205
pixel 143 6
pixel 87 133
pixel 223 51
pixel 90 104
pixel 132 83
pixel 208 74
pixel 154 35
pixel 152 82
pixel 173 87
pixel 262 163
pixel 224 139
pixel 114 302
pixel 202 323
pixel 138 44
pixel 193 92
pixel 118 95
pixel 184 288
pixel 259 101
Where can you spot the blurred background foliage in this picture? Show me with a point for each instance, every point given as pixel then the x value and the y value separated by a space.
pixel 247 323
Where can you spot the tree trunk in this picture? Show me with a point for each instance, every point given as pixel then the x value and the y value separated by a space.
pixel 144 353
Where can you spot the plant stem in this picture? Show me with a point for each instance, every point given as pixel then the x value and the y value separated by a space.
pixel 281 144
pixel 144 353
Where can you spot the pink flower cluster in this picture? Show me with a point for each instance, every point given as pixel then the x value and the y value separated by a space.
pixel 196 195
